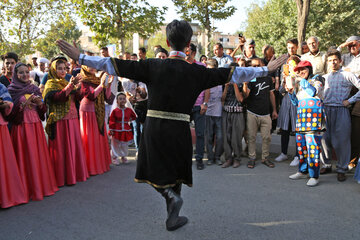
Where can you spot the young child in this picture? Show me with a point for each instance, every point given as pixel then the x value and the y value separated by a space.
pixel 120 130
pixel 12 190
pixel 27 134
pixel 63 127
pixel 213 128
pixel 95 92
pixel 233 123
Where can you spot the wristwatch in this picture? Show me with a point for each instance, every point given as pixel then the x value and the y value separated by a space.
pixel 205 103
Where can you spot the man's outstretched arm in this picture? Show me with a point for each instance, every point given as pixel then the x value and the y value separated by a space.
pixel 99 63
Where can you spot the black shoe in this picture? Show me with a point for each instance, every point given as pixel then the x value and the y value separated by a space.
pixel 325 170
pixel 341 177
pixel 200 166
pixel 180 221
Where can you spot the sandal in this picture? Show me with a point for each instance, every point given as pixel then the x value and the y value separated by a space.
pixel 268 163
pixel 251 164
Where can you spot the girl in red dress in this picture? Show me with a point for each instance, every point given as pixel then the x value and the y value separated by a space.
pixel 62 126
pixel 12 190
pixel 95 91
pixel 120 130
pixel 28 137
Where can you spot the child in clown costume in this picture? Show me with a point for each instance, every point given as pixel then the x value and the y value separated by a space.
pixel 307 95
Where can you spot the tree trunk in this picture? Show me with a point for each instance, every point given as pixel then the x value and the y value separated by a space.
pixel 207 30
pixel 303 7
pixel 122 44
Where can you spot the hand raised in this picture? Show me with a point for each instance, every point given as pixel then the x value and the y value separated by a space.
pixel 276 63
pixel 68 49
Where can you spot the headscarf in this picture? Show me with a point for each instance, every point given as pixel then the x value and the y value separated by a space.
pixel 4 94
pixel 57 110
pixel 90 79
pixel 17 88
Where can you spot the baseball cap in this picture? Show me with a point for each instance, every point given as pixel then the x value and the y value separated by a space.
pixel 249 42
pixel 302 64
pixel 353 38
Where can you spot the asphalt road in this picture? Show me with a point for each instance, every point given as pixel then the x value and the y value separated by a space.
pixel 223 204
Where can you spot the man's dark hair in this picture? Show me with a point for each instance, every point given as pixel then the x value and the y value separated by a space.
pixel 333 52
pixel 142 49
pixel 192 47
pixel 104 48
pixel 212 62
pixel 293 41
pixel 220 45
pixel 179 34
pixel 163 50
pixel 133 55
pixel 202 57
pixel 11 55
pixel 257 59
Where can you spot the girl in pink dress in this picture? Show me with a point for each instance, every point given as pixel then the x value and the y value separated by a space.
pixel 12 190
pixel 120 130
pixel 63 128
pixel 92 119
pixel 28 137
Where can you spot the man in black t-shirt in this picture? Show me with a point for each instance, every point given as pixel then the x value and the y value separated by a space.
pixel 260 94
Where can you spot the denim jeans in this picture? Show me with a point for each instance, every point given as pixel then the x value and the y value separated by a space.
pixel 199 120
pixel 213 131
pixel 138 128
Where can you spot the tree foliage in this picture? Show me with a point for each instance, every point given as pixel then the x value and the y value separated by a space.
pixel 119 19
pixel 275 21
pixel 65 28
pixel 158 39
pixel 204 11
pixel 24 21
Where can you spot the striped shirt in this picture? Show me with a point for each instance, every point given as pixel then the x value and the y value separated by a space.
pixel 338 86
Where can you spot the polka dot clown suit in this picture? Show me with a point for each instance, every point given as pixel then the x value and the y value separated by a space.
pixel 309 124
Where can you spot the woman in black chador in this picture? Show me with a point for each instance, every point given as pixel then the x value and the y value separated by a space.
pixel 165 154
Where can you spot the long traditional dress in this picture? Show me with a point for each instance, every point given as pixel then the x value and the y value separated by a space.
pixel 92 119
pixel 28 137
pixel 63 128
pixel 165 154
pixel 12 189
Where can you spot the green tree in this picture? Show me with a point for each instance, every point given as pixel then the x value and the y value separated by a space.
pixel 24 21
pixel 158 39
pixel 65 29
pixel 204 11
pixel 119 19
pixel 276 21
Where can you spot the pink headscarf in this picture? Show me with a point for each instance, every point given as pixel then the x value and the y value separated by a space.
pixel 17 88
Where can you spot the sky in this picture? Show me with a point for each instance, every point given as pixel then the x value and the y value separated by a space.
pixel 230 25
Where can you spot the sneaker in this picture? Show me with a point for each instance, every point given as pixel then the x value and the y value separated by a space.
pixel 115 161
pixel 124 160
pixel 210 162
pixel 312 182
pixel 295 162
pixel 281 157
pixel 298 175
pixel 219 162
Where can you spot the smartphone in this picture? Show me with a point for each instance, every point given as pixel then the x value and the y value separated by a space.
pixel 106 80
